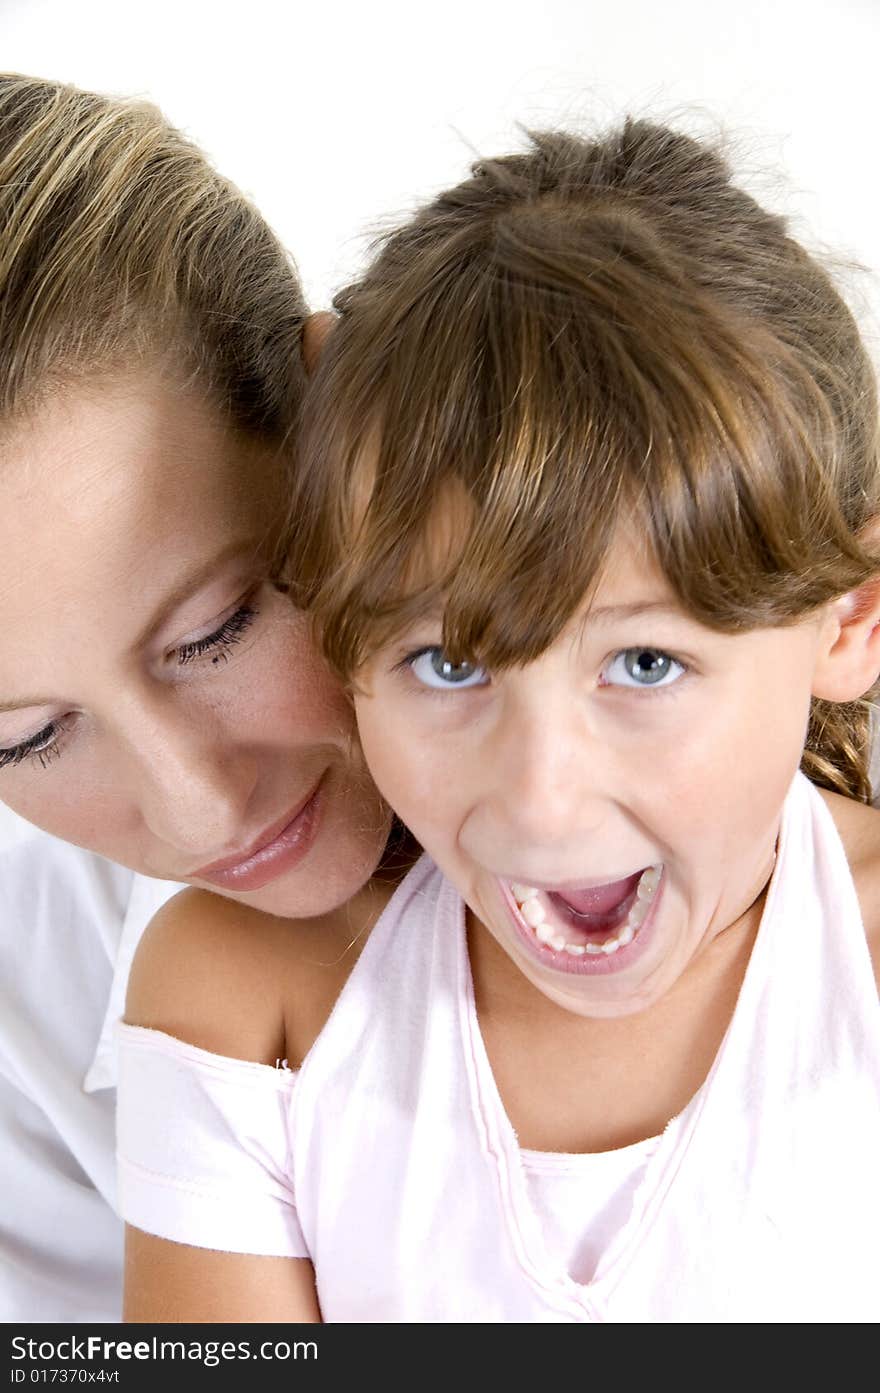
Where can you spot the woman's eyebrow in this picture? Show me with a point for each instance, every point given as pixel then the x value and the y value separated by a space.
pixel 23 703
pixel 192 582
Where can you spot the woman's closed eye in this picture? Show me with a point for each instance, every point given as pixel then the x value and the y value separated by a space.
pixel 224 637
pixel 45 745
pixel 41 748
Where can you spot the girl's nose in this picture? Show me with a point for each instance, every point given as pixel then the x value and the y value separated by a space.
pixel 548 772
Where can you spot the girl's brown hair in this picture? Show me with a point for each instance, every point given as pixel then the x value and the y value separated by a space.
pixel 590 331
pixel 119 241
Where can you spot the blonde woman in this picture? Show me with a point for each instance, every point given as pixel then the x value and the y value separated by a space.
pixel 161 704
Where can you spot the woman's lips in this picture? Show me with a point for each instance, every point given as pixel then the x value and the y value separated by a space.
pixel 276 851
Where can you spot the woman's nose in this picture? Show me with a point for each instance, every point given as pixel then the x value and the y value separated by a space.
pixel 193 787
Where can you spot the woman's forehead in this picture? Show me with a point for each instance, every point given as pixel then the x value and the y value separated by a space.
pixel 94 446
pixel 122 490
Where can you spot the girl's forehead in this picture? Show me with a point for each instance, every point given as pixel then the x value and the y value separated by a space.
pixel 441 543
pixel 631 576
pixel 630 582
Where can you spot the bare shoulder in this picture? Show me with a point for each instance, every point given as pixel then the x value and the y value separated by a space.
pixel 202 973
pixel 230 979
pixel 859 828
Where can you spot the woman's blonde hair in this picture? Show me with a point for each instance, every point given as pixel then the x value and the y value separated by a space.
pixel 119 241
pixel 590 331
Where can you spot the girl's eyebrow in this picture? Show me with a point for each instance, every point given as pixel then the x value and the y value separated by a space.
pixel 600 614
pixel 605 613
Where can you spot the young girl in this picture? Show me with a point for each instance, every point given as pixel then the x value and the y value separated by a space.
pixel 590 525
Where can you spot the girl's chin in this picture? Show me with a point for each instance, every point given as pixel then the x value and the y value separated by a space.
pixel 586 1001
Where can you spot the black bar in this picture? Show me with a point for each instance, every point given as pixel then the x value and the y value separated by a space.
pixel 133 1357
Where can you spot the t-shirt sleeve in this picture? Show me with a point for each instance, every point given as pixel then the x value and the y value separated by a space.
pixel 203 1147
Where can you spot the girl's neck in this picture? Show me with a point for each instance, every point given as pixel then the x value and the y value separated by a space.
pixel 570 1083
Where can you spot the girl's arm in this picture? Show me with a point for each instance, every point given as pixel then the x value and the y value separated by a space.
pixel 213 974
pixel 172 1282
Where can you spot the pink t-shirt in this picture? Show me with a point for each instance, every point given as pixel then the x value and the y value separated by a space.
pixel 388 1159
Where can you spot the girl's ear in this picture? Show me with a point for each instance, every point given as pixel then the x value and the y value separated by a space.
pixel 316 331
pixel 848 663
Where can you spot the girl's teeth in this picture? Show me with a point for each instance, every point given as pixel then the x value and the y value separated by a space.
pixel 532 911
pixel 639 912
pixel 521 893
pixel 648 883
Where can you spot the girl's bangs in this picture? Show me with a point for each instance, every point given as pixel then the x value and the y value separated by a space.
pixel 522 423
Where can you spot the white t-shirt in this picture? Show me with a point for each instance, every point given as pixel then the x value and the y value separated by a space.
pixel 69 924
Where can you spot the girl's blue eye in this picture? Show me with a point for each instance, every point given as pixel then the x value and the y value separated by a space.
pixel 643 667
pixel 433 669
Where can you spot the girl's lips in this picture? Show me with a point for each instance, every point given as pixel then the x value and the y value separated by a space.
pixel 587 965
pixel 277 851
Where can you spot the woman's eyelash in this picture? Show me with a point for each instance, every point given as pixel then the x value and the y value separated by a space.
pixel 231 631
pixel 42 748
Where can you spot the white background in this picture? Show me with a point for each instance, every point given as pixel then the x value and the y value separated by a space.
pixel 335 115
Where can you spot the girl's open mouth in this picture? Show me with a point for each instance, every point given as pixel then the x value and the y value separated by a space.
pixel 593 923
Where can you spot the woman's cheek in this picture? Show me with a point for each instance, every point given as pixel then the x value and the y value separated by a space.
pixel 296 683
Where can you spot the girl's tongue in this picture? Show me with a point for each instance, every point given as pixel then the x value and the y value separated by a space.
pixel 598 902
pixel 601 920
